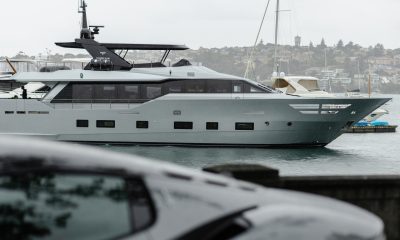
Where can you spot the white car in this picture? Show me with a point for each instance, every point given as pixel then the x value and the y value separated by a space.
pixel 54 190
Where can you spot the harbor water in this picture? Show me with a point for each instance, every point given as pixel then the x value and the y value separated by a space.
pixel 350 154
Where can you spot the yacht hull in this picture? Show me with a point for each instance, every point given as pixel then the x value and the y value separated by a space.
pixel 277 121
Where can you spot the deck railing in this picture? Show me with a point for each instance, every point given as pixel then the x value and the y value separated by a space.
pixel 96 103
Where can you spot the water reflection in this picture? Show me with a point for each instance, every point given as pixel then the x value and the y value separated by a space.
pixel 351 154
pixel 200 157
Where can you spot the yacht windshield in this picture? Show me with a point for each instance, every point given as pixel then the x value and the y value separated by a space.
pixel 310 85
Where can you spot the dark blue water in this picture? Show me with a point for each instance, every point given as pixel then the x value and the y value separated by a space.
pixel 350 154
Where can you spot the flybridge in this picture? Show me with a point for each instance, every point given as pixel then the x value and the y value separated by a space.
pixel 111 56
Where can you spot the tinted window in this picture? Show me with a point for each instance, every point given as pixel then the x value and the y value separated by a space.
pixel 118 92
pixel 82 91
pixel 105 92
pixel 82 123
pixel 244 126
pixel 49 206
pixel 183 125
pixel 237 87
pixel 173 87
pixel 65 94
pixel 142 92
pixel 219 86
pixel 195 86
pixel 212 126
pixel 152 91
pixel 105 124
pixel 142 124
pixel 128 92
pixel 252 89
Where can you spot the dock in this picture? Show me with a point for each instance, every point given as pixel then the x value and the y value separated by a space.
pixel 377 194
pixel 372 129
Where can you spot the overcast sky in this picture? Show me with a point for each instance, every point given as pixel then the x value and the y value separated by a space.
pixel 32 26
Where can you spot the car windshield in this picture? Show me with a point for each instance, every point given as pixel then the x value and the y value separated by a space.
pixel 55 206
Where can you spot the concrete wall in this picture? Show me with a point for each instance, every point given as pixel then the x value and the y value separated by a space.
pixel 377 194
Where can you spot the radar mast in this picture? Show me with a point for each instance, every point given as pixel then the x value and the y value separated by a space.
pixel 86 30
pixel 105 56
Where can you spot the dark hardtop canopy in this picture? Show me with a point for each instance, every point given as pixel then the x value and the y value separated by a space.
pixel 127 46
pixel 105 56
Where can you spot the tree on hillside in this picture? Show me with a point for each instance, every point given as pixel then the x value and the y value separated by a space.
pixel 69 55
pixel 22 55
pixel 56 57
pixel 340 44
pixel 260 45
pixel 378 50
pixel 350 45
pixel 311 46
pixel 322 44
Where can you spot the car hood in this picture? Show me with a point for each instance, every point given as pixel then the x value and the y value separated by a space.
pixel 284 222
pixel 328 218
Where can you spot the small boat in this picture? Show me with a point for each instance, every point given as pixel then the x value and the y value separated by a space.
pixel 372 124
pixel 306 86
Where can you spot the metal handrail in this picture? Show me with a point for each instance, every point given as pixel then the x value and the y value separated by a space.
pixel 92 102
pixel 100 100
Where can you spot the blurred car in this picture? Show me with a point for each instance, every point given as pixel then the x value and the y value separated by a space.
pixel 57 191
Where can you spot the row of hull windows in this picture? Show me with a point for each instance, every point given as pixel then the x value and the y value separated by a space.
pixel 108 124
pixel 99 123
pixel 177 125
pixel 25 112
pixel 140 92
pixel 214 125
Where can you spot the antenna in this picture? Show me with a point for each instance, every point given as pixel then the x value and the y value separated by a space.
pixel 86 30
pixel 96 29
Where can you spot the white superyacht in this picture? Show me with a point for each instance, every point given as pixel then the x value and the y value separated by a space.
pixel 114 101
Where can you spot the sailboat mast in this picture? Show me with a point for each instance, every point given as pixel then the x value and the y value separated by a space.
pixel 358 71
pixel 276 36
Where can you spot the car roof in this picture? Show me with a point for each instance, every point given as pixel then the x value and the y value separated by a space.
pixel 29 153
